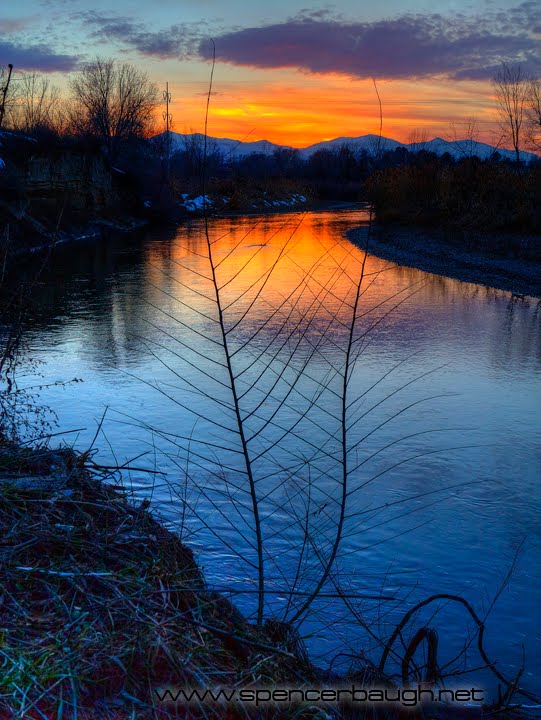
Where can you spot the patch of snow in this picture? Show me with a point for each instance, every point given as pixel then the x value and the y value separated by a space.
pixel 197 203
pixel 7 133
pixel 147 203
pixel 2 164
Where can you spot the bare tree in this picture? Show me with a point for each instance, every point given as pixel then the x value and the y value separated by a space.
pixel 534 114
pixel 465 136
pixel 512 91
pixel 195 156
pixel 112 102
pixel 37 105
pixel 416 140
pixel 4 89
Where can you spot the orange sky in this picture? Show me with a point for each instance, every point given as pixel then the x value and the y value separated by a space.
pixel 289 107
pixel 260 88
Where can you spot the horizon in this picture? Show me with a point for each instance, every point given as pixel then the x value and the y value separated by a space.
pixel 345 138
pixel 287 74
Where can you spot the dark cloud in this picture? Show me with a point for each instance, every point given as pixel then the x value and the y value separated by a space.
pixel 458 46
pixel 175 41
pixel 35 57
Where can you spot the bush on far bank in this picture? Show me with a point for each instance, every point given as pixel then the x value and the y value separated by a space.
pixel 469 194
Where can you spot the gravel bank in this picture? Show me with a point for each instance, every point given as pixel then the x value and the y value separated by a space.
pixel 434 253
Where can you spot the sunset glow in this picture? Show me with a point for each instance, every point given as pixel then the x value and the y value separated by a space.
pixel 300 110
pixel 287 74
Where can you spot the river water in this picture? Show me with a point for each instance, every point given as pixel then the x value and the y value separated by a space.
pixel 444 432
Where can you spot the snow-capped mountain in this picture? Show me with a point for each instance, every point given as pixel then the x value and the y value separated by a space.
pixel 467 148
pixel 456 148
pixel 230 149
pixel 225 146
pixel 370 143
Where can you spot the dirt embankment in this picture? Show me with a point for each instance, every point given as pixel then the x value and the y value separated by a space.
pixel 51 195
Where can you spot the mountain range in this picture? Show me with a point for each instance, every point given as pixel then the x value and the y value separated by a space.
pixel 229 148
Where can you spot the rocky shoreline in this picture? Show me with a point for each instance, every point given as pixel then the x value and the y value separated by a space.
pixel 435 252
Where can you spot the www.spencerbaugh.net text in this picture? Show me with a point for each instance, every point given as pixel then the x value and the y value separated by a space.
pixel 406 697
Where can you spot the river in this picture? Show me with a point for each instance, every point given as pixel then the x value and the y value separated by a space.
pixel 444 448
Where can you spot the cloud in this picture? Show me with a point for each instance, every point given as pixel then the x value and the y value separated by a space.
pixel 409 46
pixel 12 25
pixel 175 41
pixel 36 57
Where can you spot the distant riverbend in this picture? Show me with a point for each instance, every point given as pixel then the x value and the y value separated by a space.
pixel 435 251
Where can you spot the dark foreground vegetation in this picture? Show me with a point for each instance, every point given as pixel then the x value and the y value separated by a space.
pixel 101 605
pixel 103 609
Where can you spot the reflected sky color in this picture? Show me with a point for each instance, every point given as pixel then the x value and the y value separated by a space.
pixel 116 322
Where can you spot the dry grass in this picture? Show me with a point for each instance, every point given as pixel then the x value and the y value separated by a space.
pixel 100 603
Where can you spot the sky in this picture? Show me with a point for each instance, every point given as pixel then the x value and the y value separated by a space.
pixel 288 73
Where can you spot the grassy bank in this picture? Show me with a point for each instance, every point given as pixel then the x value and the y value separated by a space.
pixel 101 605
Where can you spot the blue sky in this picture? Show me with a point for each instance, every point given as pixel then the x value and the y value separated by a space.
pixel 309 69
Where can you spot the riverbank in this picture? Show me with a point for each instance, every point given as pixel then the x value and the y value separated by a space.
pixel 311 207
pixel 488 197
pixel 102 605
pixel 36 244
pixel 103 609
pixel 435 252
pixel 55 192
pixel 39 243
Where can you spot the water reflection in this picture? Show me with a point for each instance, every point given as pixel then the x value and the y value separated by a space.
pixel 113 314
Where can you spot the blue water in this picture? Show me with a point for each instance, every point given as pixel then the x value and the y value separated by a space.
pixel 447 487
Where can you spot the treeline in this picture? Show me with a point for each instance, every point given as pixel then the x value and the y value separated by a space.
pixel 105 119
pixel 96 147
pixel 340 173
pixel 109 103
pixel 329 174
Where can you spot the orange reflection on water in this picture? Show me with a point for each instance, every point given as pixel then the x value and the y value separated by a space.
pixel 298 263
